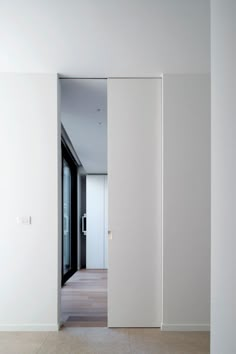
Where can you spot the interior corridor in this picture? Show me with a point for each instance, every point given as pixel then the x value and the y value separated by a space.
pixel 84 299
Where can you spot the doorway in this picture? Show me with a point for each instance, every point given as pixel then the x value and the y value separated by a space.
pixel 84 132
pixel 134 291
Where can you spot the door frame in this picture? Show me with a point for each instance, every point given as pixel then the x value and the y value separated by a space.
pixel 160 76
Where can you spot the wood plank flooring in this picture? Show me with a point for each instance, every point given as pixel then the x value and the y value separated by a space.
pixel 84 299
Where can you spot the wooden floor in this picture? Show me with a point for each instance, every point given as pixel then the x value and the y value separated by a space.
pixel 84 299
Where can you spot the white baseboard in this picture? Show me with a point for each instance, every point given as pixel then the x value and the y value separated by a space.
pixel 185 327
pixel 30 328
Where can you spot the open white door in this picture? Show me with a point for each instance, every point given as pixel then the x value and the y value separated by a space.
pixel 134 192
pixel 96 234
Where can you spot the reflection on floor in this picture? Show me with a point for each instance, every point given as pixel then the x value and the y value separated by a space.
pixel 84 299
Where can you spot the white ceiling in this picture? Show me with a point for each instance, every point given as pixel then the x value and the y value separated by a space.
pixel 84 117
pixel 102 38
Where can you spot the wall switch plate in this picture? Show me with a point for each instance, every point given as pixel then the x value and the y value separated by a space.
pixel 24 220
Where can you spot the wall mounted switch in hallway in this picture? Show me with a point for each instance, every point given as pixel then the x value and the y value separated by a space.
pixel 24 220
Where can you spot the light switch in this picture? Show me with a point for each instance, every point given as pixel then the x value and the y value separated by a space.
pixel 24 220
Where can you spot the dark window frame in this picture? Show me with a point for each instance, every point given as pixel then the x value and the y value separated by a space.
pixel 67 155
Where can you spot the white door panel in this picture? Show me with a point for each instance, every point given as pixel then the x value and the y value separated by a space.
pixel 106 223
pixel 95 210
pixel 134 194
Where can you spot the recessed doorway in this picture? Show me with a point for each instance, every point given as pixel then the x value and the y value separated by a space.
pixel 133 167
pixel 84 136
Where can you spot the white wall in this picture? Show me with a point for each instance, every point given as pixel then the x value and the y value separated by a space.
pixel 91 38
pixel 223 261
pixel 186 204
pixel 29 186
pixel 33 105
pixel 114 38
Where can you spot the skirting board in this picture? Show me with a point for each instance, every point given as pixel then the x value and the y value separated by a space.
pixel 185 327
pixel 30 328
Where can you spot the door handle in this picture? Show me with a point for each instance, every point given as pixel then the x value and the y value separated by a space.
pixel 109 235
pixel 84 224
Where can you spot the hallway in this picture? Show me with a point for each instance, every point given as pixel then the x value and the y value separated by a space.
pixel 84 299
